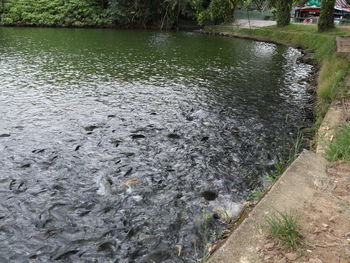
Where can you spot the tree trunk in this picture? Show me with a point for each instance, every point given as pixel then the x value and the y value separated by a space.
pixel 284 7
pixel 326 21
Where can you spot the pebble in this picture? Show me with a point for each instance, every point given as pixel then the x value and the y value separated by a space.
pixel 291 256
pixel 283 260
pixel 266 258
pixel 269 246
pixel 332 219
pixel 315 260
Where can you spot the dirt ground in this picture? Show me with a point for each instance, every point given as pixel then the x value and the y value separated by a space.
pixel 325 224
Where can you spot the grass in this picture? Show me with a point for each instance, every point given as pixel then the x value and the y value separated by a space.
pixel 339 149
pixel 256 194
pixel 283 227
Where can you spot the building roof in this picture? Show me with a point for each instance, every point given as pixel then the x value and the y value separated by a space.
pixel 342 4
pixel 338 3
pixel 315 6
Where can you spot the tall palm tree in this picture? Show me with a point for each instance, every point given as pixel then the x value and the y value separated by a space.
pixel 326 21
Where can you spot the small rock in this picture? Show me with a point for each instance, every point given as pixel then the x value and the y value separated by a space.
pixel 291 256
pixel 325 225
pixel 4 135
pixel 269 246
pixel 283 260
pixel 315 260
pixel 316 231
pixel 332 219
pixel 267 257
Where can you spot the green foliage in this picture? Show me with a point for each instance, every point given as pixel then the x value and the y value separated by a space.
pixel 52 12
pixel 283 10
pixel 340 148
pixel 256 194
pixel 326 21
pixel 215 11
pixel 126 13
pixel 332 73
pixel 284 228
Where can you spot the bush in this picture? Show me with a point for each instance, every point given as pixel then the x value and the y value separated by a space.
pixel 52 13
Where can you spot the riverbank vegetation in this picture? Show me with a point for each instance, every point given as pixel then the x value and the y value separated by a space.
pixel 283 227
pixel 121 13
pixel 339 149
pixel 163 14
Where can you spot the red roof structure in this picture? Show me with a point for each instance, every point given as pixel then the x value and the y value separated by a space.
pixel 342 5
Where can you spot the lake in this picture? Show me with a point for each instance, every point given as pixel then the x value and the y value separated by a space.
pixel 133 146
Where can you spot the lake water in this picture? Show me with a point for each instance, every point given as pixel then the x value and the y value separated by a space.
pixel 110 139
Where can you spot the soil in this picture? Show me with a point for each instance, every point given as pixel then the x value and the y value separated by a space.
pixel 324 224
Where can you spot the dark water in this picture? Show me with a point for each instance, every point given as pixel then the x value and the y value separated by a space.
pixel 109 138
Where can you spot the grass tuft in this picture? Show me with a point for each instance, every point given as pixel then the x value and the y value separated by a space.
pixel 283 227
pixel 340 148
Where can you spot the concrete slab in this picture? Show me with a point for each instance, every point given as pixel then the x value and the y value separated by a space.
pixel 343 45
pixel 293 191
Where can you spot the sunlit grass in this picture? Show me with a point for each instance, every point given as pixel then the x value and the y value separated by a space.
pixel 332 73
pixel 339 149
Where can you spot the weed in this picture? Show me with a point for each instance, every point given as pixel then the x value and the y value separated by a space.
pixel 339 149
pixel 256 194
pixel 272 177
pixel 283 227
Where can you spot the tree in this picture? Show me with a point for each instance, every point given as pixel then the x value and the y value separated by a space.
pixel 283 10
pixel 215 11
pixel 326 21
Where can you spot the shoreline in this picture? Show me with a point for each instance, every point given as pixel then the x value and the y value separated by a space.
pixel 244 227
pixel 306 58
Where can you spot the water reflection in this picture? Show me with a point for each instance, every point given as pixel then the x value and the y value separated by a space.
pixel 109 139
